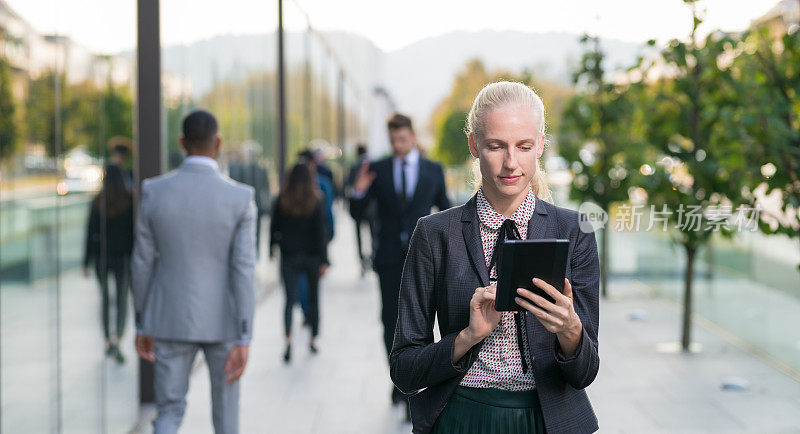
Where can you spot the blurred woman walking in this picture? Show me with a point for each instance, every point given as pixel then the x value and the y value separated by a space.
pixel 299 228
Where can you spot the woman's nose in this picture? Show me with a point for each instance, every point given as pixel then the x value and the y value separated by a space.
pixel 510 162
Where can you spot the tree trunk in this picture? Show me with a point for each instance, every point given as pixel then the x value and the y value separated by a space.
pixel 709 262
pixel 604 260
pixel 686 334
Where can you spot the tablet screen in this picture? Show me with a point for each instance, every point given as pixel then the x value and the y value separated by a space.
pixel 520 261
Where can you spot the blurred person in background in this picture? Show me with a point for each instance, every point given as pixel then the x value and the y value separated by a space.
pixel 193 265
pixel 365 259
pixel 298 227
pixel 325 185
pixel 249 171
pixel 498 372
pixel 120 149
pixel 318 155
pixel 109 242
pixel 405 187
pixel 324 181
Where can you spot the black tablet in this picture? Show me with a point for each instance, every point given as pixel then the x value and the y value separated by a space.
pixel 519 261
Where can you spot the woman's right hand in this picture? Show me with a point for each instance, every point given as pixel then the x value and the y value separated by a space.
pixel 483 318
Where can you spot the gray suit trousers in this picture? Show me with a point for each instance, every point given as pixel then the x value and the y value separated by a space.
pixel 172 368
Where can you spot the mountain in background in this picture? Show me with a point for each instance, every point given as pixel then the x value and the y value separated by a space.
pixel 417 76
pixel 420 75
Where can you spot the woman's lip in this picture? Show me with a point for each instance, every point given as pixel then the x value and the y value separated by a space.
pixel 510 179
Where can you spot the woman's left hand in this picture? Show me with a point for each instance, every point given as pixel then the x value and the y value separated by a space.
pixel 559 317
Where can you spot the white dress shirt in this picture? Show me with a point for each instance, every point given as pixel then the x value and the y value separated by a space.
pixel 412 173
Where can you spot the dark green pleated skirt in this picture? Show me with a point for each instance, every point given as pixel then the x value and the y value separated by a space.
pixel 489 411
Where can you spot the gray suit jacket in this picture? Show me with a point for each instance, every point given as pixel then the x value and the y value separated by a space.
pixel 445 264
pixel 194 257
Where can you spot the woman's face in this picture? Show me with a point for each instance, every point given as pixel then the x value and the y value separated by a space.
pixel 509 150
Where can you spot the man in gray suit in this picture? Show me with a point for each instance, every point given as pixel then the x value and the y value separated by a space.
pixel 192 268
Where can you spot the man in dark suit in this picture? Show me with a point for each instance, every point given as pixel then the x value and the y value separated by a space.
pixel 405 187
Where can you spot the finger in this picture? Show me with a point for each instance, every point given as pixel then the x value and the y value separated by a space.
pixel 548 288
pixel 548 320
pixel 235 375
pixel 492 289
pixel 567 288
pixel 542 302
pixel 537 312
pixel 229 364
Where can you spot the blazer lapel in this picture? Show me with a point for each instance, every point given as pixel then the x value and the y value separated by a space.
pixel 422 180
pixel 472 237
pixel 385 176
pixel 539 226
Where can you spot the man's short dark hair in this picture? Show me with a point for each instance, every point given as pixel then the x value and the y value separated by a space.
pixel 397 121
pixel 199 129
pixel 361 149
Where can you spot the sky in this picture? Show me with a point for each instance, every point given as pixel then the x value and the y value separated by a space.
pixel 109 26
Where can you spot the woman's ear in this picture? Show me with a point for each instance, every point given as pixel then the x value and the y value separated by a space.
pixel 473 147
pixel 540 148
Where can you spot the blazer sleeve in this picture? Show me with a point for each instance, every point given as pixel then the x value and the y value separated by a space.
pixel 581 369
pixel 144 256
pixel 242 265
pixel 92 236
pixel 442 202
pixel 359 203
pixel 416 361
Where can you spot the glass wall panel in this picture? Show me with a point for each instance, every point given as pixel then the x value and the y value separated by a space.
pixel 65 97
pixel 29 73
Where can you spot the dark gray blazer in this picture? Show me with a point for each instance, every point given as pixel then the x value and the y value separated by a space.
pixel 445 264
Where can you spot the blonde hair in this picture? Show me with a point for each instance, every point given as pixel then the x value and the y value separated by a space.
pixel 505 94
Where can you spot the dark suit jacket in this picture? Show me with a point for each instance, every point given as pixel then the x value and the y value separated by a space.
pixel 445 264
pixel 392 217
pixel 256 176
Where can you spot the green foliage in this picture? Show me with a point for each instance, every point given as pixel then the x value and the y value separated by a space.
pixel 450 143
pixel 597 134
pixel 87 116
pixel 8 127
pixel 449 118
pixel 767 71
pixel 701 159
pixel 40 111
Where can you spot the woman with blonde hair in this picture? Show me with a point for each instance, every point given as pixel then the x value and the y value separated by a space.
pixel 498 372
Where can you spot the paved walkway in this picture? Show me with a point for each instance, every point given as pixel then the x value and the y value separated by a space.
pixel 640 388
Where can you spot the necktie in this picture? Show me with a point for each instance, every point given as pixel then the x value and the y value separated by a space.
pixel 404 191
pixel 509 231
